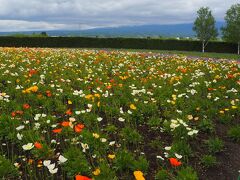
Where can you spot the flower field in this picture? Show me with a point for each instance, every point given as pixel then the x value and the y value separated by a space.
pixel 91 114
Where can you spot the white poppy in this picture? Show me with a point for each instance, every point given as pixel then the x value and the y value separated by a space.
pixel 62 159
pixel 46 163
pixel 19 136
pixel 28 146
pixel 99 119
pixel 121 119
pixel 178 156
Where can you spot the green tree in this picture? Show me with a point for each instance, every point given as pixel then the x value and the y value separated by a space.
pixel 231 31
pixel 204 26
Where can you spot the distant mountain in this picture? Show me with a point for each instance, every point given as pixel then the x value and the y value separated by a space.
pixel 174 30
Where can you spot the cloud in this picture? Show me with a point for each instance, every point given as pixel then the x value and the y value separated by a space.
pixel 82 14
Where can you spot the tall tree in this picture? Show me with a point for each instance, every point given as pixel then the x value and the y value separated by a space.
pixel 231 31
pixel 204 26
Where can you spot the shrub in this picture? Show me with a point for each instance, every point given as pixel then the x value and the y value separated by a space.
pixel 7 170
pixel 214 145
pixel 209 161
pixel 162 175
pixel 187 174
pixel 127 43
pixel 234 133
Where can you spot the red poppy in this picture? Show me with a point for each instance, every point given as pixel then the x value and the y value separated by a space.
pixel 38 145
pixel 69 112
pixel 65 123
pixel 57 130
pixel 183 70
pixel 111 80
pixel 174 162
pixel 13 114
pixel 210 89
pixel 79 177
pixel 78 128
pixel 109 87
pixel 230 76
pixel 48 93
pixel 26 106
pixel 19 112
pixel 32 72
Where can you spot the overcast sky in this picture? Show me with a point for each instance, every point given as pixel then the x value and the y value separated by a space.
pixel 18 15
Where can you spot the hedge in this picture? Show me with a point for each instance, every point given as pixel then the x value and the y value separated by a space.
pixel 125 43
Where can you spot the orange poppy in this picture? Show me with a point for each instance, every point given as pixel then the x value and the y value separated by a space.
pixel 65 123
pixel 57 130
pixel 79 177
pixel 78 128
pixel 174 162
pixel 38 145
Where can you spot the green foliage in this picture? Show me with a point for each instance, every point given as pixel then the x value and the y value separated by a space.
pixel 154 121
pixel 7 169
pixel 206 125
pixel 141 164
pixel 124 161
pixel 125 43
pixel 181 147
pixel 162 175
pixel 77 162
pixel 231 32
pixel 187 173
pixel 214 145
pixel 156 144
pixel 106 171
pixel 234 133
pixel 131 135
pixel 209 161
pixel 204 26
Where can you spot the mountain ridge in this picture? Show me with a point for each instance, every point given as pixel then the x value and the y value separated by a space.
pixel 171 30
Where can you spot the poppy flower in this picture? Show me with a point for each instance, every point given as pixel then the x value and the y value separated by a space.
pixel 132 106
pixel 109 87
pixel 57 130
pixel 38 145
pixel 78 128
pixel 33 88
pixel 32 72
pixel 96 172
pixel 65 123
pixel 13 114
pixel 48 93
pixel 138 175
pixel 26 106
pixel 69 112
pixel 19 112
pixel 174 162
pixel 28 146
pixel 230 76
pixel 79 177
pixel 30 161
pixel 111 156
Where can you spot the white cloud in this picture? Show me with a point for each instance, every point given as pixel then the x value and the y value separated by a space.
pixel 76 14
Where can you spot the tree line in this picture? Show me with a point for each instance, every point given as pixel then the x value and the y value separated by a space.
pixel 206 30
